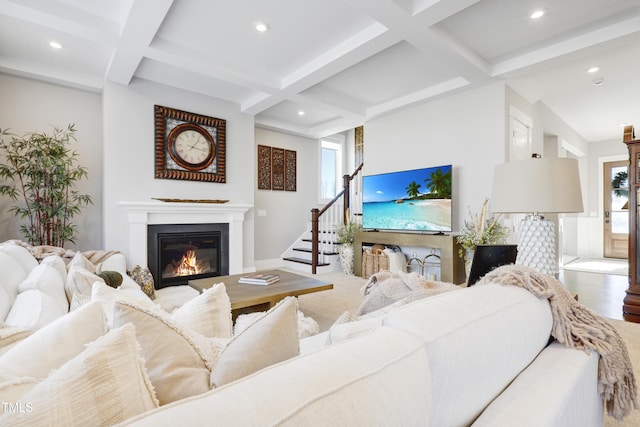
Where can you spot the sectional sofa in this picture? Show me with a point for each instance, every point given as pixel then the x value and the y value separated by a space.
pixel 478 356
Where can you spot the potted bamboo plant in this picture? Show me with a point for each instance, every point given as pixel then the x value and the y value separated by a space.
pixel 40 172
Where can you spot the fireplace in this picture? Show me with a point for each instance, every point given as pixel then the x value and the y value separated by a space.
pixel 178 253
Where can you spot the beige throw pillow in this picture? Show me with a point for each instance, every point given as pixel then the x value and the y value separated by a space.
pixel 176 359
pixel 107 296
pixel 12 389
pixel 208 314
pixel 104 385
pixel 80 281
pixel 79 260
pixel 271 339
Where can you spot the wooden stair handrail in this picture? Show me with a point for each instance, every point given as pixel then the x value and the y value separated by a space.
pixel 317 213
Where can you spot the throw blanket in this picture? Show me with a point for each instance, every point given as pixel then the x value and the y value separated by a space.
pixel 41 252
pixel 385 288
pixel 578 327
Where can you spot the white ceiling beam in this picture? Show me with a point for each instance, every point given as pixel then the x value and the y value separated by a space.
pixel 63 19
pixel 418 30
pixel 49 74
pixel 186 58
pixel 140 27
pixel 416 97
pixel 573 44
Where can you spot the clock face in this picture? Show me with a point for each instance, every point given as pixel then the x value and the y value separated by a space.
pixel 191 146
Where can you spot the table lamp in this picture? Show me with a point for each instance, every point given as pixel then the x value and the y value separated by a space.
pixel 535 186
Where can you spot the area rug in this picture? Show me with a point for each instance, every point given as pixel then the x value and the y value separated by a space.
pixel 594 265
pixel 630 333
pixel 325 307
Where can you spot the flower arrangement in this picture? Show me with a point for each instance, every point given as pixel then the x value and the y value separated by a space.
pixel 481 230
pixel 345 233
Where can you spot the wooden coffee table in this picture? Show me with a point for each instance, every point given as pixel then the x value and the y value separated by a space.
pixel 248 298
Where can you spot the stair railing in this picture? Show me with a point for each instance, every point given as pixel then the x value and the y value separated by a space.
pixel 335 212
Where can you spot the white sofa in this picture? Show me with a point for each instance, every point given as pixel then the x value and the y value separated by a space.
pixel 478 356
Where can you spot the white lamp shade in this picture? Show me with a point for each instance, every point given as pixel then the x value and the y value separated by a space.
pixel 547 185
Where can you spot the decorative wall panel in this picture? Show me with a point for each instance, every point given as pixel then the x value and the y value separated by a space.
pixel 277 169
pixel 264 167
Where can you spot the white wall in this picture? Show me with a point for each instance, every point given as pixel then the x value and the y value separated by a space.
pixel 31 106
pixel 129 143
pixel 466 130
pixel 286 212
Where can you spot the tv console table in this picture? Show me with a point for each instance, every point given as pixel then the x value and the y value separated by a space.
pixel 451 265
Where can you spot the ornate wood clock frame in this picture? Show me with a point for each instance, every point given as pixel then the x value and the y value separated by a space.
pixel 189 146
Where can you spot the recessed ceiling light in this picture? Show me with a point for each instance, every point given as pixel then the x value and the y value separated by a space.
pixel 301 113
pixel 593 70
pixel 55 45
pixel 537 14
pixel 262 26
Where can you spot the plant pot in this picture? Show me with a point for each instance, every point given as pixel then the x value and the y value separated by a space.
pixel 346 258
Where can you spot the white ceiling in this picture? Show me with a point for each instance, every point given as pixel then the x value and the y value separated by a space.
pixel 341 62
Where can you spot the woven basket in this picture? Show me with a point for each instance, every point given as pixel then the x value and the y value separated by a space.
pixel 373 262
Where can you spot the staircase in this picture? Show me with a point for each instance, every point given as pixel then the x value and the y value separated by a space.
pixel 315 250
pixel 298 256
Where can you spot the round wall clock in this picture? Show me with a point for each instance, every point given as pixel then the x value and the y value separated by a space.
pixel 191 146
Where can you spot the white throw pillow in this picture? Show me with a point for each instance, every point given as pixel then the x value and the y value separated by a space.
pixel 46 278
pixel 104 385
pixel 178 361
pixel 34 309
pixel 58 263
pixel 21 255
pixel 271 339
pixel 208 314
pixel 307 326
pixel 55 344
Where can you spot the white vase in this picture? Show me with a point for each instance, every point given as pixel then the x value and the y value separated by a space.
pixel 346 258
pixel 468 257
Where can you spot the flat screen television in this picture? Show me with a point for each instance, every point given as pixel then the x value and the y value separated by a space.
pixel 410 200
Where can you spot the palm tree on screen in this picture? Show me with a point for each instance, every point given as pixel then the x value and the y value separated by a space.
pixel 412 189
pixel 440 183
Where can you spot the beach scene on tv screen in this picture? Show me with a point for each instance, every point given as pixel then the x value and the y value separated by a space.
pixel 418 199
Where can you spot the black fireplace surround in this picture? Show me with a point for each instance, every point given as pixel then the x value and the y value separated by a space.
pixel 177 253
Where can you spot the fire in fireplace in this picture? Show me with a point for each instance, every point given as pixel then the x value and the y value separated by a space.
pixel 181 252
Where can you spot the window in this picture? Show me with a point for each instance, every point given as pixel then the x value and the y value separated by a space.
pixel 330 168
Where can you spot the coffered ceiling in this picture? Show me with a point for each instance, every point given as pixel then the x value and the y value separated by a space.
pixel 340 62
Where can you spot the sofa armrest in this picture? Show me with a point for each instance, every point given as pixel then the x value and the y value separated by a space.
pixel 559 388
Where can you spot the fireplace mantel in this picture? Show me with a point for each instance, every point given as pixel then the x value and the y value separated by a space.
pixel 141 214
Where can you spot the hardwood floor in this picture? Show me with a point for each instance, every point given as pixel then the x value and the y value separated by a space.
pixel 602 293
